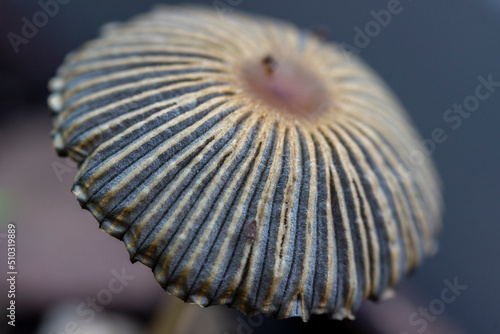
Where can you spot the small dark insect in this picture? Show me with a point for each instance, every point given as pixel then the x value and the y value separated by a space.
pixel 251 229
pixel 270 64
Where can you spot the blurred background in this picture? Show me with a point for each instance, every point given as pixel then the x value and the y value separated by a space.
pixel 432 53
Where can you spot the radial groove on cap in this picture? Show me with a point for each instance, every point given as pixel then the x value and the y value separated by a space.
pixel 227 199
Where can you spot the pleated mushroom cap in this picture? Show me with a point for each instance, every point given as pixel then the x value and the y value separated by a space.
pixel 246 162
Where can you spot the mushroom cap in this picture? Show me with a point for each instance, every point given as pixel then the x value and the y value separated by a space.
pixel 289 209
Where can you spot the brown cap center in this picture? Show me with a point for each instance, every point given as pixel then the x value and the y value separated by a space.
pixel 286 85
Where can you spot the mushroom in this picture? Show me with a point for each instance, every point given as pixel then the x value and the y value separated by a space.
pixel 247 162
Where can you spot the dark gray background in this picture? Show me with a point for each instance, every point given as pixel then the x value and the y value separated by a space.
pixel 431 54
